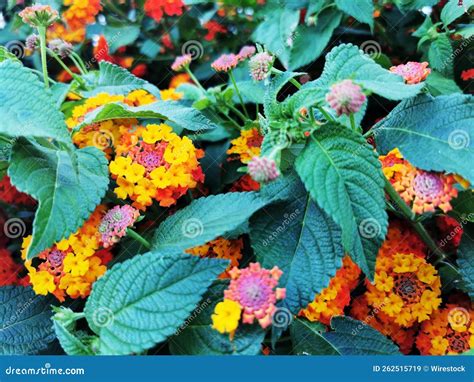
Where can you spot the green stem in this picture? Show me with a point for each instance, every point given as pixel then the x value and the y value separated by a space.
pixel 135 236
pixel 326 115
pixel 64 66
pixel 237 111
pixel 353 122
pixel 79 62
pixel 296 83
pixel 193 77
pixel 44 64
pixel 232 78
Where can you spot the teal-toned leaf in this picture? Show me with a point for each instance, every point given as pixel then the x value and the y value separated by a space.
pixel 25 321
pixel 437 84
pixel 67 185
pixel 352 337
pixel 270 105
pixel 142 301
pixel 205 219
pixel 423 28
pixel 197 337
pixel 69 342
pixel 440 54
pixel 455 9
pixel 303 241
pixel 150 48
pixel 410 5
pixel 361 10
pixel 308 338
pixel 466 32
pixel 463 207
pixel 183 116
pixel 310 41
pixel 441 126
pixel 344 177
pixel 466 258
pixel 122 35
pixel 27 109
pixel 251 91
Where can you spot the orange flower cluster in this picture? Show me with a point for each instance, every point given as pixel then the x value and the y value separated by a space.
pixel 333 299
pixel 449 331
pixel 153 162
pixel 10 195
pixel 245 184
pixel 105 135
pixel 246 146
pixel 221 248
pixel 70 266
pixel 423 190
pixel 156 9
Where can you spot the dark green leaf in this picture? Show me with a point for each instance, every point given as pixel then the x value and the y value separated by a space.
pixel 308 338
pixel 361 10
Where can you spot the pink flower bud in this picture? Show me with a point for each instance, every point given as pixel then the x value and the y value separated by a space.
pixel 346 97
pixel 263 169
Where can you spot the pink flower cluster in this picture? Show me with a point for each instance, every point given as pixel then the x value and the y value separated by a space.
pixel 263 169
pixel 346 97
pixel 39 15
pixel 412 72
pixel 260 66
pixel 115 223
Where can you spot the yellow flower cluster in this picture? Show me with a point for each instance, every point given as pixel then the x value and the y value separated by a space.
pixel 153 162
pixel 72 265
pixel 246 146
pixel 226 317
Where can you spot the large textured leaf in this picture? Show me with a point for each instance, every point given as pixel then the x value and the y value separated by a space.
pixel 432 133
pixel 205 219
pixel 361 10
pixel 303 241
pixel 196 336
pixel 27 109
pixel 440 54
pixel 120 35
pixel 438 85
pixel 466 258
pixel 344 177
pixel 142 301
pixel 68 187
pixel 184 116
pixel 25 321
pixel 310 41
pixel 271 107
pixel 352 337
pixel 70 343
pixel 308 338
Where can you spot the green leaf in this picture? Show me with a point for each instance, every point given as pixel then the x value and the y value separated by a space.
pixel 118 36
pixel 183 116
pixel 271 107
pixel 308 338
pixel 197 337
pixel 463 207
pixel 142 301
pixel 5 54
pixel 27 109
pixel 310 41
pixel 70 343
pixel 453 10
pixel 25 321
pixel 303 242
pixel 423 28
pixel 276 30
pixel 205 219
pixel 440 54
pixel 352 337
pixel 410 5
pixel 466 259
pixel 361 10
pixel 448 137
pixel 344 177
pixel 68 187
pixel 437 84
pixel 150 48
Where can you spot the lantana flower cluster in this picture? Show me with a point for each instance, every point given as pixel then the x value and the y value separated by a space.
pixel 246 146
pixel 423 190
pixel 10 195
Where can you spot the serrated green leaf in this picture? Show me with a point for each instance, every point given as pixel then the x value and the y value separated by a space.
pixel 466 258
pixel 270 105
pixel 440 54
pixel 423 28
pixel 308 338
pixel 70 343
pixel 67 185
pixel 5 54
pixel 26 107
pixel 205 219
pixel 310 41
pixel 344 177
pixel 453 10
pixel 197 337
pixel 183 116
pixel 303 242
pixel 142 301
pixel 361 10
pixel 442 126
pixel 25 321
pixel 352 337
pixel 437 84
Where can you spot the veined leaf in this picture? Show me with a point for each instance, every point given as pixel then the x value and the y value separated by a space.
pixel 197 337
pixel 142 301
pixel 308 338
pixel 205 219
pixel 25 321
pixel 361 10
pixel 69 342
pixel 67 185
pixel 344 177
pixel 27 109
pixel 466 258
pixel 441 126
pixel 303 241
pixel 352 337
pixel 453 10
pixel 440 54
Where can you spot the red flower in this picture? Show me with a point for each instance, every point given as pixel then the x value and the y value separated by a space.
pixel 213 28
pixel 467 75
pixel 156 8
